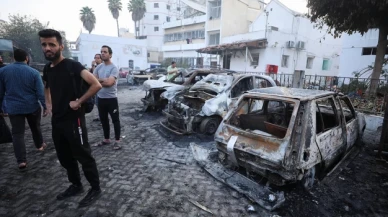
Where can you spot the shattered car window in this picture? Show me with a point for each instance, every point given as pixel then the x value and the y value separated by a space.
pixel 326 115
pixel 262 83
pixel 242 86
pixel 264 117
pixel 347 109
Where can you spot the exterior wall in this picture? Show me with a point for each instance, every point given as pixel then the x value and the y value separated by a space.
pixel 291 27
pixel 182 28
pixel 351 57
pixel 178 49
pixel 239 23
pixel 213 25
pixel 124 49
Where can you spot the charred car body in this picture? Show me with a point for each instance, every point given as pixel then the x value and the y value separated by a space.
pixel 289 135
pixel 181 81
pixel 202 107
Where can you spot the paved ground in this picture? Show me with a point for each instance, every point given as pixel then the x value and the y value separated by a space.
pixel 142 179
pixel 137 180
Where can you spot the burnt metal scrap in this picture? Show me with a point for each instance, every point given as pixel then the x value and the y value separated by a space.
pixel 262 195
pixel 202 107
pixel 179 82
pixel 289 135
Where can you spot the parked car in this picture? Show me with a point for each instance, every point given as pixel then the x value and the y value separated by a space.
pixel 289 135
pixel 139 76
pixel 183 80
pixel 202 107
pixel 123 72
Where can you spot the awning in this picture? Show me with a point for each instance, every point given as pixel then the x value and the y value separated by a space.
pixel 217 49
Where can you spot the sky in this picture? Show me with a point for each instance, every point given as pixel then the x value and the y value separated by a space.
pixel 64 14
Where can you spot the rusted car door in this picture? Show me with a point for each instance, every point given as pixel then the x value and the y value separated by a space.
pixel 328 129
pixel 349 115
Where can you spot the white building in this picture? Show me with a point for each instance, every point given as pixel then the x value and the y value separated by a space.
pixel 359 52
pixel 124 50
pixel 183 37
pixel 279 40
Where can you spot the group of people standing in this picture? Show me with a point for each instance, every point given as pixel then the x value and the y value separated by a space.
pixel 63 96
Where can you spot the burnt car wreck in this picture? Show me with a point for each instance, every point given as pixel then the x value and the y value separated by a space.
pixel 181 81
pixel 289 135
pixel 201 108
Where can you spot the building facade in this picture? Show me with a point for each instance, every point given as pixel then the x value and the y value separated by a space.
pixel 359 53
pixel 124 50
pixel 279 40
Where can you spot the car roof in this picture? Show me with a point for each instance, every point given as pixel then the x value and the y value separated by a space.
pixel 293 93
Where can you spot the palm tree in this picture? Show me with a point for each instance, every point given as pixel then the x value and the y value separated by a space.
pixel 138 9
pixel 115 7
pixel 88 18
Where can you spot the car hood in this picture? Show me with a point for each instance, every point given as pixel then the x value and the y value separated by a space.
pixel 215 83
pixel 156 84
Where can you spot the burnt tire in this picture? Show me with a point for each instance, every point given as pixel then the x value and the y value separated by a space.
pixel 209 125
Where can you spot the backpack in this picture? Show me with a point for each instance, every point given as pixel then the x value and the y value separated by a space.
pixel 88 105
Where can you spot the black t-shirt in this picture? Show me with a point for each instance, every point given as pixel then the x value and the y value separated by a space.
pixel 61 85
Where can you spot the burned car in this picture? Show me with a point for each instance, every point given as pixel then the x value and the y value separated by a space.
pixel 289 135
pixel 202 107
pixel 181 81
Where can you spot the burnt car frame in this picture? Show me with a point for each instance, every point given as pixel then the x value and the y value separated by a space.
pixel 201 108
pixel 179 82
pixel 289 135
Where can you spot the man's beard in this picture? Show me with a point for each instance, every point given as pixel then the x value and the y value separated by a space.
pixel 56 56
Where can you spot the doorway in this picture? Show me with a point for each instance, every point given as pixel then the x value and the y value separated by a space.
pixel 226 61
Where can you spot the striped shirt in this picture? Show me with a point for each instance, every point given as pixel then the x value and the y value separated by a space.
pixel 21 89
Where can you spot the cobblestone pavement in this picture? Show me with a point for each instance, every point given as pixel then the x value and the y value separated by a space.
pixel 136 181
pixel 155 175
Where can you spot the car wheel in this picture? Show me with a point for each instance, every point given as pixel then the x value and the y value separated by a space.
pixel 209 125
pixel 308 179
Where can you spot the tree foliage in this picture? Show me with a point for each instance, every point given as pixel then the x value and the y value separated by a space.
pixel 23 31
pixel 115 7
pixel 88 18
pixel 138 9
pixel 351 16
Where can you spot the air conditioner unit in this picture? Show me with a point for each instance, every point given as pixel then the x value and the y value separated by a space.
pixel 300 45
pixel 290 44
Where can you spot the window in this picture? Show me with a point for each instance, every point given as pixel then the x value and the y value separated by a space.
pixel 156 17
pixel 326 115
pixel 168 19
pixel 156 29
pixel 310 61
pixel 178 9
pixel 285 61
pixel 255 60
pixel 262 83
pixel 214 39
pixel 349 112
pixel 214 10
pixel 371 51
pixel 325 64
pixel 242 86
pixel 148 54
pixel 168 7
pixel 156 5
